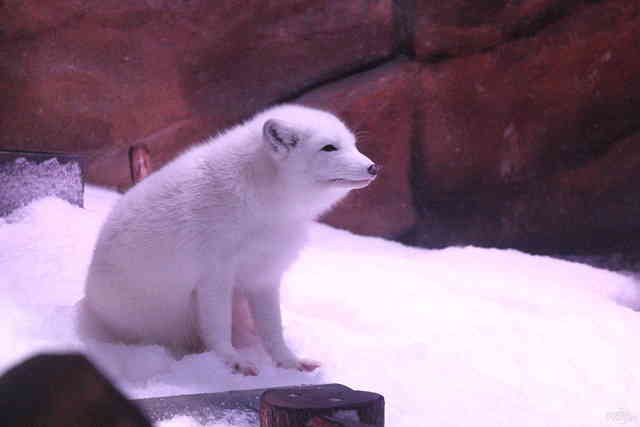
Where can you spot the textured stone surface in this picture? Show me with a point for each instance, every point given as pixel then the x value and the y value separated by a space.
pixel 510 123
pixel 503 132
pixel 377 106
pixel 594 207
pixel 458 27
pixel 89 75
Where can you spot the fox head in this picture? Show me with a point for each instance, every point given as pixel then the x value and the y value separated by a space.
pixel 317 148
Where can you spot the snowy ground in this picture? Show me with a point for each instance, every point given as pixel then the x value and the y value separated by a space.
pixel 454 337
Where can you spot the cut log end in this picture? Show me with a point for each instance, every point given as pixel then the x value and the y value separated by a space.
pixel 327 421
pixel 321 405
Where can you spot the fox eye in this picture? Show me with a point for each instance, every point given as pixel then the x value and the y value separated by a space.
pixel 330 147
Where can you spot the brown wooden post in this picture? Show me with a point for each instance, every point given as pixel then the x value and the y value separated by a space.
pixel 139 162
pixel 304 406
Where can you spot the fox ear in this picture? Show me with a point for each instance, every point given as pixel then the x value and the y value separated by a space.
pixel 280 136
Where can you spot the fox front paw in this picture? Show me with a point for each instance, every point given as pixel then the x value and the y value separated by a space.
pixel 244 368
pixel 302 365
pixel 239 365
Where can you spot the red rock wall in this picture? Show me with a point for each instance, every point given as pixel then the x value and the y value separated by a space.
pixel 499 123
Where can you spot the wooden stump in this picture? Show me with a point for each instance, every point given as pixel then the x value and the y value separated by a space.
pixel 63 391
pixel 326 405
pixel 326 421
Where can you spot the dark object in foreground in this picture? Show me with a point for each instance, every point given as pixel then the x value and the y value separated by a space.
pixel 324 405
pixel 68 390
pixel 63 391
pixel 27 176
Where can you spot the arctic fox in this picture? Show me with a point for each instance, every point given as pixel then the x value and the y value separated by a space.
pixel 220 224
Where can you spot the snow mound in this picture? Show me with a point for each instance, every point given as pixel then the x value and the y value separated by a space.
pixel 453 337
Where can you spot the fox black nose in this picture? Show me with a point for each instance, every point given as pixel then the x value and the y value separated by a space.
pixel 373 169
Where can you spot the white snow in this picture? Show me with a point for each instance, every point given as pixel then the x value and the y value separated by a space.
pixel 453 337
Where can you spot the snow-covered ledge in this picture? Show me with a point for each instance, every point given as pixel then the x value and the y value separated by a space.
pixel 26 176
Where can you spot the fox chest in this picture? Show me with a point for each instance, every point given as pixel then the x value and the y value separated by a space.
pixel 268 252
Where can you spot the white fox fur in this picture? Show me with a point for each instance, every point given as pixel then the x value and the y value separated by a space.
pixel 221 222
